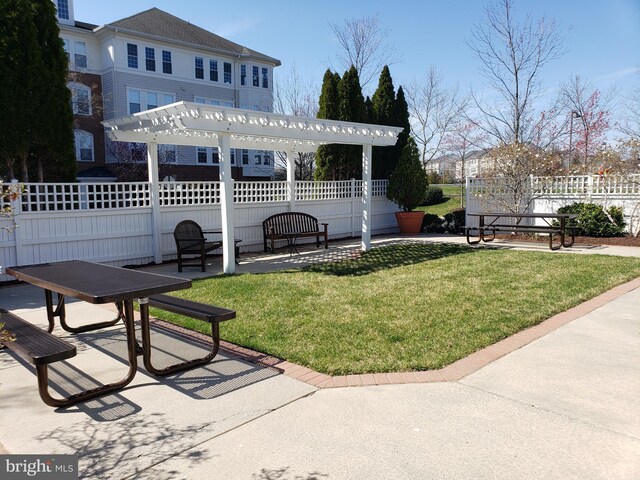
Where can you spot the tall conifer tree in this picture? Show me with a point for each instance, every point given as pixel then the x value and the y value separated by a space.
pixel 55 144
pixel 383 100
pixel 327 156
pixel 351 109
pixel 20 67
pixel 401 119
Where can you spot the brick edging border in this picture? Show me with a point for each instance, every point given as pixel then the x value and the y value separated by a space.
pixel 453 372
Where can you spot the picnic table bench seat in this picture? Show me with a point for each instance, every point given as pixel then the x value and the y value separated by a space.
pixel 189 308
pixel 39 348
pixel 282 226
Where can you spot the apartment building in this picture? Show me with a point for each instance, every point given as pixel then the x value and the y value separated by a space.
pixel 152 59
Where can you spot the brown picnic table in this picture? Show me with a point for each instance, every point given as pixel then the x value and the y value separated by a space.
pixel 509 222
pixel 99 284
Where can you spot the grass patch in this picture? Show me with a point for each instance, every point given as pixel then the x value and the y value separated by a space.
pixel 403 307
pixel 450 202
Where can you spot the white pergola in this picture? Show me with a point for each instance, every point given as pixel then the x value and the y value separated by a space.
pixel 195 124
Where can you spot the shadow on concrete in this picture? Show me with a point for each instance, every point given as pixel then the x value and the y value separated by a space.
pixel 283 474
pixel 115 450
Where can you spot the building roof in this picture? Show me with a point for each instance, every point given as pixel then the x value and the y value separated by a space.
pixel 157 23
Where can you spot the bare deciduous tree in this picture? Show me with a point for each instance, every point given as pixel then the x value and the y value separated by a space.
pixel 364 44
pixel 434 109
pixel 293 96
pixel 512 56
pixel 588 108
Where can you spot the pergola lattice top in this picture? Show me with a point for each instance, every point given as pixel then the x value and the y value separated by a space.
pixel 195 124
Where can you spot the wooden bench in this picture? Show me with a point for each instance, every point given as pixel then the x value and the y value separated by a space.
pixel 200 311
pixel 39 348
pixel 190 240
pixel 282 226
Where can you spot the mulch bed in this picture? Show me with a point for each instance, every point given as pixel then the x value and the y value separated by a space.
pixel 627 241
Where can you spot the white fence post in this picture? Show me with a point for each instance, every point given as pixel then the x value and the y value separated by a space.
pixel 353 207
pixel 154 190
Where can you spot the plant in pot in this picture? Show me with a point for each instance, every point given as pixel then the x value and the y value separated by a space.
pixel 407 188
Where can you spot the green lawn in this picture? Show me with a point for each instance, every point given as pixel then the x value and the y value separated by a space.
pixel 405 307
pixel 451 202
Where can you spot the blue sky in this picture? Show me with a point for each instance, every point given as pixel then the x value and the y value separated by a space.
pixel 602 37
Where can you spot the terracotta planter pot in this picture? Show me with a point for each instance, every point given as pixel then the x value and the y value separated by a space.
pixel 409 222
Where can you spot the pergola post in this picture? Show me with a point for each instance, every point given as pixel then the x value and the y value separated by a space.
pixel 226 204
pixel 154 188
pixel 366 197
pixel 291 179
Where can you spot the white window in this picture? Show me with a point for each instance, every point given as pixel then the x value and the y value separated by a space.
pixel 80 98
pixel 150 59
pixel 256 76
pixel 227 72
pixel 84 146
pixel 245 157
pixel 258 158
pixel 80 54
pixel 243 74
pixel 265 78
pixel 213 70
pixel 63 9
pixel 167 153
pixel 132 55
pixel 199 67
pixel 139 100
pixel 166 62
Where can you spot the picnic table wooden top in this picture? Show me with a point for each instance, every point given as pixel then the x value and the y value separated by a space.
pixel 522 215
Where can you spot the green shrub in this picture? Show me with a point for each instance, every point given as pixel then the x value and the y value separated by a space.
pixel 433 196
pixel 408 181
pixel 432 223
pixel 454 221
pixel 593 220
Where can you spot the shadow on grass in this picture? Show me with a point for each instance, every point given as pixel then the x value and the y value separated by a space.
pixel 383 258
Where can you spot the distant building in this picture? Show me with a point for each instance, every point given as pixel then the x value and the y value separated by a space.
pixel 153 59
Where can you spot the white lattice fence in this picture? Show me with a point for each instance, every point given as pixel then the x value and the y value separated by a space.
pixel 548 194
pixel 112 222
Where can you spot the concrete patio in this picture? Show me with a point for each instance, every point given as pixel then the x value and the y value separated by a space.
pixel 563 406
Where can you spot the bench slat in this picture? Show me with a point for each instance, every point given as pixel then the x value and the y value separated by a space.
pixel 200 311
pixel 34 344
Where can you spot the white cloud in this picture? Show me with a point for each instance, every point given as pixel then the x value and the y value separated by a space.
pixel 231 29
pixel 617 75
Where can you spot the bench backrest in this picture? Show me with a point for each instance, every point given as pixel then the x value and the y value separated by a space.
pixel 188 234
pixel 290 222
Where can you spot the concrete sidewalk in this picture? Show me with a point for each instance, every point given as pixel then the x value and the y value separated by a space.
pixel 564 406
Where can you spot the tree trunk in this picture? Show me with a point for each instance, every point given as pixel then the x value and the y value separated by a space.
pixel 25 169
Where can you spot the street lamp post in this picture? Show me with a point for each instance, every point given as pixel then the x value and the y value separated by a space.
pixel 574 114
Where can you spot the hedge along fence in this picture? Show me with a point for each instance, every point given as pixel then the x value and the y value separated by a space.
pixel 548 194
pixel 113 222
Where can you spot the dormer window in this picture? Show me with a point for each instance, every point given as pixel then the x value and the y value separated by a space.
pixel 63 9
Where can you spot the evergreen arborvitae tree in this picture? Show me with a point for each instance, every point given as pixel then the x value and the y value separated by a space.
pixel 55 142
pixel 327 156
pixel 408 181
pixel 351 109
pixel 369 115
pixel 383 101
pixel 20 68
pixel 401 119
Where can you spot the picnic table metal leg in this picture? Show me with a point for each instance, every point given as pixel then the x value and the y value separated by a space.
pixel 42 371
pixel 60 312
pixel 178 367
